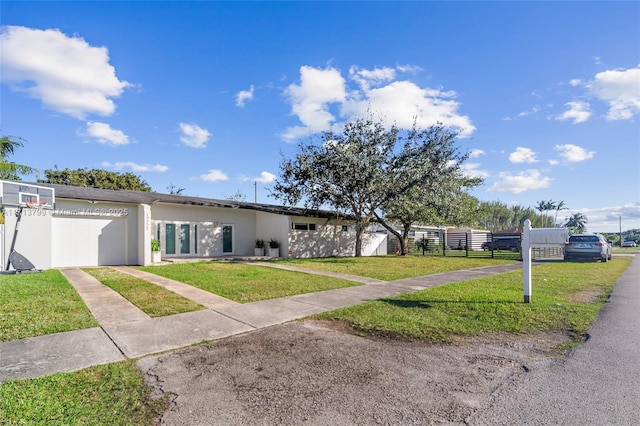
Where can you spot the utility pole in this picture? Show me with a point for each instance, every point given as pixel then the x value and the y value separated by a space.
pixel 255 191
pixel 621 232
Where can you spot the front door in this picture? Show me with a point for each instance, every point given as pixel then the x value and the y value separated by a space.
pixel 227 239
pixel 170 238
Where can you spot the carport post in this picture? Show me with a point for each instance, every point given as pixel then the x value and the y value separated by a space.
pixel 526 258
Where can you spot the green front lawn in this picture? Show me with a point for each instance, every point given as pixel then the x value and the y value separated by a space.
pixel 566 297
pixel 37 304
pixel 113 394
pixel 153 300
pixel 389 268
pixel 246 283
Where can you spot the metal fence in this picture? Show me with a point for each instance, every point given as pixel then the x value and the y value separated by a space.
pixel 460 244
pixel 478 245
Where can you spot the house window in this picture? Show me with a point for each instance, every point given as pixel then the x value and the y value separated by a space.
pixel 227 239
pixel 185 238
pixel 170 238
pixel 303 226
pixel 178 238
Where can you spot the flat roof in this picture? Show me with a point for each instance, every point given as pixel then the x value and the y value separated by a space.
pixel 143 197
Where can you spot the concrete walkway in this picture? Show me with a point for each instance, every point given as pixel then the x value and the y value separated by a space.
pixel 126 332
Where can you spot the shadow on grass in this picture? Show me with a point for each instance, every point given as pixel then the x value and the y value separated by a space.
pixel 433 302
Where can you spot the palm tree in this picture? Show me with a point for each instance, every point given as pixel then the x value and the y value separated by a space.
pixel 545 206
pixel 11 170
pixel 559 206
pixel 577 223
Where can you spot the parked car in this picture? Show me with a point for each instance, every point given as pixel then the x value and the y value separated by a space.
pixel 629 244
pixel 511 244
pixel 587 246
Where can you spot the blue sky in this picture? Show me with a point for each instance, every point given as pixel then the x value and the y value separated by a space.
pixel 207 95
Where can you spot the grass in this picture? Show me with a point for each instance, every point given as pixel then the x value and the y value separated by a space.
pixel 389 268
pixel 153 300
pixel 39 304
pixel 622 250
pixel 113 394
pixel 566 297
pixel 246 283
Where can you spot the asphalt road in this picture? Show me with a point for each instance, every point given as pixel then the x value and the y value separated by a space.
pixel 596 384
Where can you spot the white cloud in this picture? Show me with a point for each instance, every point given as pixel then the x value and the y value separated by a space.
pixel 620 89
pixel 244 96
pixel 396 102
pixel 523 155
pixel 119 165
pixel 401 101
pixel 194 135
pixel 575 82
pixel 368 78
pixel 473 170
pixel 578 111
pixel 65 73
pixel 214 176
pixel 608 218
pixel 408 68
pixel 532 111
pixel 475 153
pixel 311 98
pixel 265 177
pixel 574 153
pixel 104 134
pixel 523 181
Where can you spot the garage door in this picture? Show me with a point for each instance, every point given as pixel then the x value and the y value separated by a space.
pixel 89 241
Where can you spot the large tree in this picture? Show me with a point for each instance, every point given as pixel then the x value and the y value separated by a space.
pixel 362 169
pixel 10 170
pixel 441 200
pixel 95 178
pixel 495 216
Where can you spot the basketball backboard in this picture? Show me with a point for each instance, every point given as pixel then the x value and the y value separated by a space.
pixel 19 194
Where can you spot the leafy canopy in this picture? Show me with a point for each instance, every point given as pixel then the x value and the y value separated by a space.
pixel 95 178
pixel 10 170
pixel 366 168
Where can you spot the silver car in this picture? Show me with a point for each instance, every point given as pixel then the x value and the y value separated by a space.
pixel 587 246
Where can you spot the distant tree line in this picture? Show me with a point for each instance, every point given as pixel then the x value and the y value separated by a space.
pixel 372 173
pixel 496 216
pixel 95 178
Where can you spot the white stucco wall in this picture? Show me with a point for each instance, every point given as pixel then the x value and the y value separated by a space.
pixel 276 226
pixel 80 233
pixel 89 234
pixel 210 222
pixel 330 238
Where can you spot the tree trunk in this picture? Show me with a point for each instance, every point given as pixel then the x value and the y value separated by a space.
pixel 404 245
pixel 359 234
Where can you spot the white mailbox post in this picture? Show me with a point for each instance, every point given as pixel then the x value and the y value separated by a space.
pixel 541 236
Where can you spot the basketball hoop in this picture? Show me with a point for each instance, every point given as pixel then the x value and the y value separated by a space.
pixel 36 204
